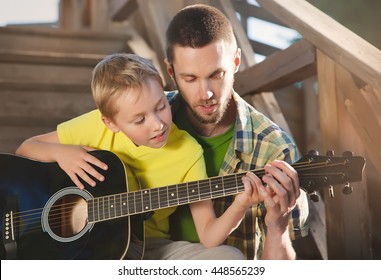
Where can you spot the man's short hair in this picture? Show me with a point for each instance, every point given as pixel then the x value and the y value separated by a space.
pixel 196 26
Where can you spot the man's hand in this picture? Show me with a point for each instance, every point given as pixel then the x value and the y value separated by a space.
pixel 281 193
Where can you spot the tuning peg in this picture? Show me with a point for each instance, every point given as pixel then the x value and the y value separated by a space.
pixel 331 192
pixel 348 154
pixel 330 153
pixel 313 152
pixel 314 197
pixel 348 189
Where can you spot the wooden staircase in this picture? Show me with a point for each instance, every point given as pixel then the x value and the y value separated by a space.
pixel 45 76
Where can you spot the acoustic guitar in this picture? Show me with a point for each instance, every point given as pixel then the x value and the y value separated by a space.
pixel 45 216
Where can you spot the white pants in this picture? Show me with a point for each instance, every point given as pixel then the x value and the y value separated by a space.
pixel 164 249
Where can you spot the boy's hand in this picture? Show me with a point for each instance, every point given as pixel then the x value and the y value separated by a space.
pixel 251 195
pixel 76 162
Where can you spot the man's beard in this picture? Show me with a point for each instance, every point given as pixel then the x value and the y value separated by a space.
pixel 214 118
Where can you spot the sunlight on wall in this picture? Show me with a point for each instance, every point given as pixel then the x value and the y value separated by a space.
pixel 28 11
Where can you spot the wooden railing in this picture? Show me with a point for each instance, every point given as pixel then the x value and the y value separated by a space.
pixel 349 94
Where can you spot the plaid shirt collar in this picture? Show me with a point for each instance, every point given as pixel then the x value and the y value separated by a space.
pixel 243 125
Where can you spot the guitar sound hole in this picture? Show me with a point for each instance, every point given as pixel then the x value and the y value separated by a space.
pixel 68 216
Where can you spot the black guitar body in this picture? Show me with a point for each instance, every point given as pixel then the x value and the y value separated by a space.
pixel 46 217
pixel 43 187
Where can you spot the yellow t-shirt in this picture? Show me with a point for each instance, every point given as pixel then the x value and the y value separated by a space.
pixel 180 160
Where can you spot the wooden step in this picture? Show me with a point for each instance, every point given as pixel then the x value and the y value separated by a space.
pixel 45 74
pixel 48 107
pixel 27 113
pixel 59 40
pixel 12 136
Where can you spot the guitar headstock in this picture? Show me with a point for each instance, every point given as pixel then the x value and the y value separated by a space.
pixel 316 171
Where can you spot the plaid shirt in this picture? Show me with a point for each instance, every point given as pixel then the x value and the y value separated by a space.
pixel 256 141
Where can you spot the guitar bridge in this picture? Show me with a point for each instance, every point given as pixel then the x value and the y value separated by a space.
pixel 9 234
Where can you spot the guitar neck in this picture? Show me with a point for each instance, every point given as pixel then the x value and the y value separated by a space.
pixel 314 172
pixel 137 202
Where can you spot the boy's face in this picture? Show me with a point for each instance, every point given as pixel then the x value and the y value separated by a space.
pixel 144 115
pixel 204 77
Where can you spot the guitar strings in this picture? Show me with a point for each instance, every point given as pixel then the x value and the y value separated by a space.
pixel 60 215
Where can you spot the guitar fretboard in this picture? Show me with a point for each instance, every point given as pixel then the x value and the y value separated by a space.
pixel 137 202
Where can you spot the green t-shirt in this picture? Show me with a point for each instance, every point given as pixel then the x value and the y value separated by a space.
pixel 182 225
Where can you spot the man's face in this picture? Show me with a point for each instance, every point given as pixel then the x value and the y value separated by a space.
pixel 205 77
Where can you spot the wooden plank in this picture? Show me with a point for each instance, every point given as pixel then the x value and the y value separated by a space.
pixel 263 49
pixel 52 58
pixel 336 41
pixel 45 74
pixel 318 227
pixel 250 10
pixel 120 10
pixel 281 69
pixel 139 46
pixel 12 136
pixel 71 14
pixel 32 106
pixel 364 117
pixel 311 115
pixel 56 40
pixel 348 234
pixel 98 15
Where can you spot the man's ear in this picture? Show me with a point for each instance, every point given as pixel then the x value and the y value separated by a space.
pixel 237 60
pixel 110 124
pixel 169 69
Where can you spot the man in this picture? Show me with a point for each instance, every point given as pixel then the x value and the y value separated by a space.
pixel 202 58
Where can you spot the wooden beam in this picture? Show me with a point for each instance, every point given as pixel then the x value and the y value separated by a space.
pixel 336 41
pixel 279 70
pixel 250 10
pixel 362 106
pixel 120 10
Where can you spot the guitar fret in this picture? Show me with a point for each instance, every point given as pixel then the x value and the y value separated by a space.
pixel 139 202
pixel 231 184
pixel 146 200
pixel 163 197
pixel 172 196
pixel 193 191
pixel 96 210
pixel 131 203
pixel 118 206
pixel 124 201
pixel 112 206
pixel 182 192
pixel 155 199
pixel 90 210
pixel 204 190
pixel 101 208
pixel 216 187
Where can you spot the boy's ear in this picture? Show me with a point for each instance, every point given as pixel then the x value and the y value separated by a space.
pixel 110 124
pixel 169 69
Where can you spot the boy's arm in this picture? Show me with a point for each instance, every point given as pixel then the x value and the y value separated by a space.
pixel 213 231
pixel 74 160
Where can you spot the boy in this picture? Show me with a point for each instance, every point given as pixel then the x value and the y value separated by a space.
pixel 134 121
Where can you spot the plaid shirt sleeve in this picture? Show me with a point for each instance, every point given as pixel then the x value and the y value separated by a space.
pixel 257 141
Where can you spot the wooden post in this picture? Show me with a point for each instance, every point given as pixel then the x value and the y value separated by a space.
pixel 347 216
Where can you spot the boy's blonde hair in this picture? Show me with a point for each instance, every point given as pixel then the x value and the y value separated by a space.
pixel 116 74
